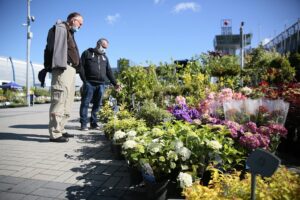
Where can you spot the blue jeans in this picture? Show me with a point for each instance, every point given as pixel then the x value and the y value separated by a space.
pixel 90 94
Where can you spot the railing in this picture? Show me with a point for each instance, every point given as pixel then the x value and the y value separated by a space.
pixel 286 41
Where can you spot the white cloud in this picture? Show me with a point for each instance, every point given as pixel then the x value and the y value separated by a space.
pixel 111 19
pixel 156 1
pixel 186 6
pixel 265 41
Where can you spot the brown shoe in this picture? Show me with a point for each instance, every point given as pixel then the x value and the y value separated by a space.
pixel 59 139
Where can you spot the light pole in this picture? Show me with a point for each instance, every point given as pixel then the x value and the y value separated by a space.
pixel 242 44
pixel 29 36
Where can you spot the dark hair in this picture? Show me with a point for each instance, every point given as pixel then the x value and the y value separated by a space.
pixel 72 15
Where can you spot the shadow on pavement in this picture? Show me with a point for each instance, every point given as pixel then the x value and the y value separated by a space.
pixel 103 177
pixel 24 137
pixel 31 126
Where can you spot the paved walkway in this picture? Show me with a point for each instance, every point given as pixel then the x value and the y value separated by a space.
pixel 32 168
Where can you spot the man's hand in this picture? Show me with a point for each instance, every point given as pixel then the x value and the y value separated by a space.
pixel 118 88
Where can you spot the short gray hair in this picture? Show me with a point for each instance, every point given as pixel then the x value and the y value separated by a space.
pixel 100 41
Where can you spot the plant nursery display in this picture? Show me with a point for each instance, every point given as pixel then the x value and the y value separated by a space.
pixel 177 128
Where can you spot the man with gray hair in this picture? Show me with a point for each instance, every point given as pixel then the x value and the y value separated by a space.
pixel 95 69
pixel 65 63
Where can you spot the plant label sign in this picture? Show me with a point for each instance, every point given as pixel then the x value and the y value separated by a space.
pixel 263 162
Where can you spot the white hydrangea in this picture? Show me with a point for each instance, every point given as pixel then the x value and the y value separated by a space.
pixel 154 147
pixel 131 134
pixel 156 140
pixel 178 145
pixel 214 144
pixel 185 153
pixel 185 179
pixel 119 135
pixel 129 144
pixel 172 155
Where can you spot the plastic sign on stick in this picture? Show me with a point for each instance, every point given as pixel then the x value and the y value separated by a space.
pixel 263 162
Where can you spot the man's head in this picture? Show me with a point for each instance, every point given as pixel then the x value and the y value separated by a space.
pixel 102 42
pixel 102 45
pixel 75 20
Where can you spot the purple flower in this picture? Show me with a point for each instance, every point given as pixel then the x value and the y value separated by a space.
pixel 264 140
pixel 183 112
pixel 278 129
pixel 234 126
pixel 264 130
pixel 249 141
pixel 193 112
pixel 250 126
pixel 233 133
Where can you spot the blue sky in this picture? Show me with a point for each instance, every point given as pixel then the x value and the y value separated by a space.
pixel 143 30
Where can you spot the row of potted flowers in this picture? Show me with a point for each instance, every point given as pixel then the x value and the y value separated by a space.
pixel 199 138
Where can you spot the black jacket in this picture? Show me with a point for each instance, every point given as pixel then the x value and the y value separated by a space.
pixel 95 68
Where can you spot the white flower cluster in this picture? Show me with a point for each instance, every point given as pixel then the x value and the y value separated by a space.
pixel 131 134
pixel 185 153
pixel 178 145
pixel 129 144
pixel 185 179
pixel 246 90
pixel 214 144
pixel 154 147
pixel 172 155
pixel 119 135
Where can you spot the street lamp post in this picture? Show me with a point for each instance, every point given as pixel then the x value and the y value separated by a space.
pixel 29 36
pixel 242 44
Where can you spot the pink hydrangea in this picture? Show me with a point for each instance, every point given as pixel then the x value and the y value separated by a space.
pixel 278 129
pixel 249 141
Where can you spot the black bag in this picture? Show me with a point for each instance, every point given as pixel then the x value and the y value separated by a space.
pixel 48 52
pixel 42 75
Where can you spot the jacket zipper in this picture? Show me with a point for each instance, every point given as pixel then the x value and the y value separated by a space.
pixel 99 66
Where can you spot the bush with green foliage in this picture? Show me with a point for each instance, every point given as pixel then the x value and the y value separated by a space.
pixel 41 92
pixel 114 124
pixel 152 114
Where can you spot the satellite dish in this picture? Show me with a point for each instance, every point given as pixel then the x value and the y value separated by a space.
pixel 263 162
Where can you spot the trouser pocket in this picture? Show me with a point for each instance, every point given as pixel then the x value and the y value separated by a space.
pixel 57 93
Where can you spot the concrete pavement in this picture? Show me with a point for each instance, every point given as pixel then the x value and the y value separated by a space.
pixel 32 168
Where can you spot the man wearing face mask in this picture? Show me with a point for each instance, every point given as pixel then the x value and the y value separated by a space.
pixel 95 68
pixel 65 64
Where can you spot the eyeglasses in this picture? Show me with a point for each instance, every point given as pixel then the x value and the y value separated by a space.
pixel 80 24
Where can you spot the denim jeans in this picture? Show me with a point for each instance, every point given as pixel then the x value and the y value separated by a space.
pixel 90 94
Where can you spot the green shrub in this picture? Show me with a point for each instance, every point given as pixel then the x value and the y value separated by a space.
pixel 41 92
pixel 152 114
pixel 127 124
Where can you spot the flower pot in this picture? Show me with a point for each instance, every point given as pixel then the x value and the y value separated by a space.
pixel 156 190
pixel 117 151
pixel 135 175
pixel 174 191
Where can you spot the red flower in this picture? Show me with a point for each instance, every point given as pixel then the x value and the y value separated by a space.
pixel 263 83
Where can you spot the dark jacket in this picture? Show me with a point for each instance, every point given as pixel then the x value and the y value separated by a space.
pixel 95 68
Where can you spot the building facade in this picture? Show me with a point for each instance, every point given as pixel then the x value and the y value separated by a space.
pixel 15 70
